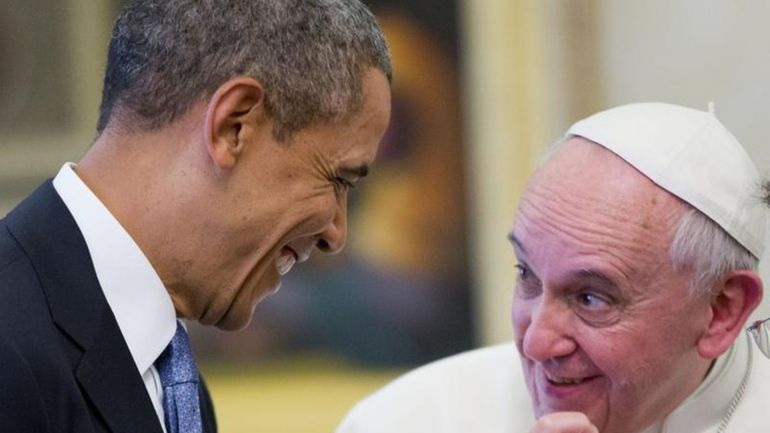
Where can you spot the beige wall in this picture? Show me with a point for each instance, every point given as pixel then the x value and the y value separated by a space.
pixel 35 151
pixel 503 108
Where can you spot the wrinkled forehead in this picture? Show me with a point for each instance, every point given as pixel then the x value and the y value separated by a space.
pixel 584 158
pixel 582 167
pixel 584 191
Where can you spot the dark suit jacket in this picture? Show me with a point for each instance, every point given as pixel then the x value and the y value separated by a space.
pixel 64 365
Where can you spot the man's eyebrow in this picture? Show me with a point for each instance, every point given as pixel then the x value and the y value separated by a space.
pixel 592 274
pixel 516 243
pixel 357 172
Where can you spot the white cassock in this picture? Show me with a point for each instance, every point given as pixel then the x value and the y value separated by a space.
pixel 483 391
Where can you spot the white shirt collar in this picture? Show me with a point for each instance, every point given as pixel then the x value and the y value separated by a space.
pixel 134 291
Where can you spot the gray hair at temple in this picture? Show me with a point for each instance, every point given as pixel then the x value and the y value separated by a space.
pixel 705 248
pixel 310 56
pixel 766 193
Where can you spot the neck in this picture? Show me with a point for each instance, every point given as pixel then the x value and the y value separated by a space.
pixel 144 180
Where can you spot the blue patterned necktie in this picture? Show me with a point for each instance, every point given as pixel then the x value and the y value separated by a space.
pixel 179 378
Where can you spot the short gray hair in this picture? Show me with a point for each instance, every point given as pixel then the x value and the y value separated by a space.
pixel 310 55
pixel 705 248
pixel 766 193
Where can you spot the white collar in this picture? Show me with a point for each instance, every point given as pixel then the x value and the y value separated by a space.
pixel 134 291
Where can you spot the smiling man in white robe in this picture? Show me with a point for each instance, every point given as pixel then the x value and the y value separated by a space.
pixel 637 244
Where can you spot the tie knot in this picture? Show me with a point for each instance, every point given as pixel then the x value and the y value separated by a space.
pixel 176 364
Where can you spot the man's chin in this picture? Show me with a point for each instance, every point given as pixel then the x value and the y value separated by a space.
pixel 240 310
pixel 238 317
pixel 232 322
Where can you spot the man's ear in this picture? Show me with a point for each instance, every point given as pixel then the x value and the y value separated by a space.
pixel 739 293
pixel 233 111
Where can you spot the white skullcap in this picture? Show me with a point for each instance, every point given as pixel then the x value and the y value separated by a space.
pixel 690 154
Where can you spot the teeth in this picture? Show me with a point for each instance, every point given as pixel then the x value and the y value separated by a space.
pixel 284 263
pixel 566 381
pixel 276 289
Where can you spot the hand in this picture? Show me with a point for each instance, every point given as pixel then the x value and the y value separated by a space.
pixel 564 422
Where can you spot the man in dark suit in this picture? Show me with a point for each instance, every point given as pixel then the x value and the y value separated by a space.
pixel 229 134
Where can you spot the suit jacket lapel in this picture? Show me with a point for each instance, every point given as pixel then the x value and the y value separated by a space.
pixel 113 384
pixel 49 235
pixel 208 417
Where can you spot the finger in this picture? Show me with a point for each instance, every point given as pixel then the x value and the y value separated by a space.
pixel 564 422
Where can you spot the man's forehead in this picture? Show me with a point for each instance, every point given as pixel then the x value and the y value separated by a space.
pixel 583 173
pixel 617 264
pixel 586 197
pixel 581 157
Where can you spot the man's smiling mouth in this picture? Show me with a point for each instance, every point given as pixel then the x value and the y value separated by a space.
pixel 566 381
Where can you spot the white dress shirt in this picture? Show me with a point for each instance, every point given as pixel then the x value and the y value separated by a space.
pixel 134 291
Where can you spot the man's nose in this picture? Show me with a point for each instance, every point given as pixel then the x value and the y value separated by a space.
pixel 549 333
pixel 332 239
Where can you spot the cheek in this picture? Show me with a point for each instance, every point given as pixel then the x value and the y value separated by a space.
pixel 323 210
pixel 312 213
pixel 634 362
pixel 520 317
